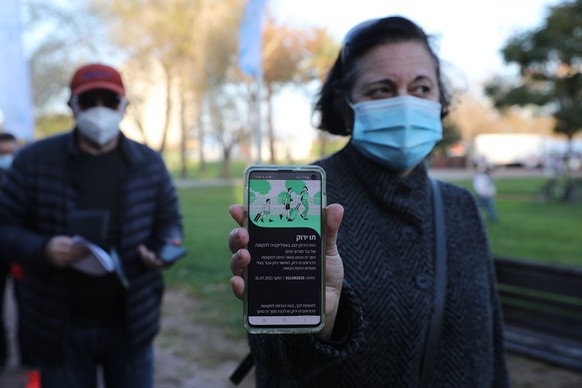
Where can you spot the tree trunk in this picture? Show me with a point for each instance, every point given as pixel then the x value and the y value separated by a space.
pixel 225 171
pixel 270 124
pixel 200 126
pixel 183 135
pixel 166 127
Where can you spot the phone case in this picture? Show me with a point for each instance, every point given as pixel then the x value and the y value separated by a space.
pixel 278 214
pixel 170 253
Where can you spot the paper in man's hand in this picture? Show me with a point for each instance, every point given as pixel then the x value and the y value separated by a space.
pixel 97 263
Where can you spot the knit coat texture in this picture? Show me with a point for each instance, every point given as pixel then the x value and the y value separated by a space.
pixel 39 193
pixel 386 241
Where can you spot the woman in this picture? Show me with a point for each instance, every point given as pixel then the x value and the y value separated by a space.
pixel 385 90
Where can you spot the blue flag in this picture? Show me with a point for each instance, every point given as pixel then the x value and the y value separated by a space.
pixel 251 39
pixel 15 97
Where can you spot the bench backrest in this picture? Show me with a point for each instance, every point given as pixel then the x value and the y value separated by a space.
pixel 541 297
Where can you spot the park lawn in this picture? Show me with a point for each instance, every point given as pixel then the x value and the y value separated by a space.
pixel 205 270
pixel 526 229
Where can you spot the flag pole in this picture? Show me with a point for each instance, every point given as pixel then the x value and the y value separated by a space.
pixel 259 123
pixel 251 61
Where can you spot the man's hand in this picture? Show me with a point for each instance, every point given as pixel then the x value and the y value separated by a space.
pixel 62 251
pixel 151 259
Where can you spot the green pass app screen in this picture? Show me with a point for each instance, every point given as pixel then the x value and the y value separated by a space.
pixel 285 244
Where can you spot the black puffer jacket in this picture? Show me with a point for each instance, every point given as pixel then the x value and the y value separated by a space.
pixel 40 191
pixel 386 244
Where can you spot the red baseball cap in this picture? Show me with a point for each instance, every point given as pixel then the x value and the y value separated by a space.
pixel 96 76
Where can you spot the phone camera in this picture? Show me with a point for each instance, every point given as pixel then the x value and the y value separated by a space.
pixel 313 177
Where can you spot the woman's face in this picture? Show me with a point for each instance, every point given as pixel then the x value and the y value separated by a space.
pixel 396 69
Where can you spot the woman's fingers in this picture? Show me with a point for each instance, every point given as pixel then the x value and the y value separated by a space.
pixel 335 213
pixel 237 213
pixel 239 261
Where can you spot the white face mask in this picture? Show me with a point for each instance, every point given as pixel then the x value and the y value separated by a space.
pixel 100 124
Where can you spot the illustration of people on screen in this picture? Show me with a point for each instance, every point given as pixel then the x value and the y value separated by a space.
pixel 304 200
pixel 287 202
pixel 266 211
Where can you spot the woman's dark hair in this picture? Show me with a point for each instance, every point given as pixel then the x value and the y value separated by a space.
pixel 336 116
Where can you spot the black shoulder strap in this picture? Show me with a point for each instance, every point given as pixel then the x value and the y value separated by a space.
pixel 434 331
pixel 243 368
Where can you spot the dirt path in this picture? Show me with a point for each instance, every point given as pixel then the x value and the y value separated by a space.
pixel 192 355
pixel 188 354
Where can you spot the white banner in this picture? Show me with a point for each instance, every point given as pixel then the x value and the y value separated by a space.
pixel 15 97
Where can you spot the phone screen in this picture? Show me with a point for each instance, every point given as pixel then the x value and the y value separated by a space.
pixel 285 218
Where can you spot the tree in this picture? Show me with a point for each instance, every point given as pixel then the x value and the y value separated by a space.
pixel 177 35
pixel 60 38
pixel 224 113
pixel 550 63
pixel 293 56
pixel 283 50
pixel 323 50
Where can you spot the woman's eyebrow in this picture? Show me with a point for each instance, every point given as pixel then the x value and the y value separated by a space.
pixel 383 81
pixel 391 81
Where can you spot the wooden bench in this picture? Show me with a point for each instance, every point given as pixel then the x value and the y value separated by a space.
pixel 542 308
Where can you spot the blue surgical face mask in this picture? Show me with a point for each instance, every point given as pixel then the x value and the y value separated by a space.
pixel 397 132
pixel 5 161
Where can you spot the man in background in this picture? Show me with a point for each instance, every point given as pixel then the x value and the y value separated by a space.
pixel 485 190
pixel 8 147
pixel 67 194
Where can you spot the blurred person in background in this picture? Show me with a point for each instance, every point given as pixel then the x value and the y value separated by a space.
pixel 118 194
pixel 485 190
pixel 8 147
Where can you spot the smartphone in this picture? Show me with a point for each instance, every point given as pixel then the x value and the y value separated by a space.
pixel 285 218
pixel 170 253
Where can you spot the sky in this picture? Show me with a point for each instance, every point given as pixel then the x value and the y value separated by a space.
pixel 471 33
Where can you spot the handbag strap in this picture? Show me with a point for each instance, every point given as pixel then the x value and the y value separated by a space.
pixel 242 369
pixel 434 331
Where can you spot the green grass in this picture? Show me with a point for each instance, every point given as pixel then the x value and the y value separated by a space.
pixel 205 270
pixel 210 170
pixel 526 229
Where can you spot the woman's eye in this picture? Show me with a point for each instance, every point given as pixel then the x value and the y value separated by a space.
pixel 420 90
pixel 380 92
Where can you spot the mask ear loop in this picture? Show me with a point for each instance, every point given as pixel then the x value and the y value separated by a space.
pixel 350 104
pixel 123 103
pixel 75 105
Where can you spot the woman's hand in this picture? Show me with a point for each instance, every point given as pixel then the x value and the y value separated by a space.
pixel 334 270
pixel 237 242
